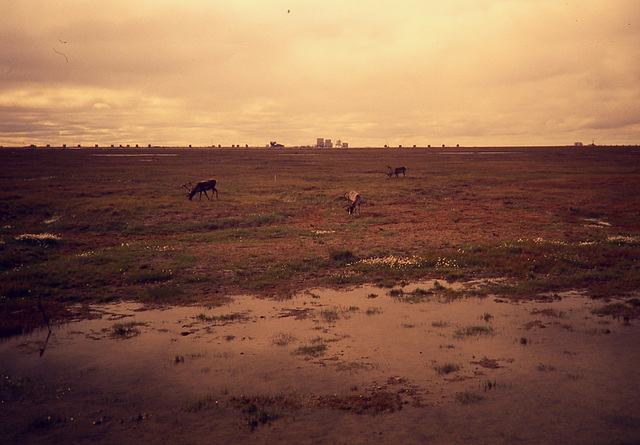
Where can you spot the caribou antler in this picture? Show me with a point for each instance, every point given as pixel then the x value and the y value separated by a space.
pixel 189 187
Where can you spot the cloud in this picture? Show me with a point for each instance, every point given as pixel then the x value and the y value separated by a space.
pixel 479 72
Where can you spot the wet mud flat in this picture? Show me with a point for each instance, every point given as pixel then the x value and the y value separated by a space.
pixel 409 364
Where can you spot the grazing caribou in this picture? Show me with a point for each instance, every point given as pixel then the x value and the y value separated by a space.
pixel 202 187
pixel 353 198
pixel 396 171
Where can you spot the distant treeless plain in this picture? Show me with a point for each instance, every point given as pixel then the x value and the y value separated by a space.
pixel 95 225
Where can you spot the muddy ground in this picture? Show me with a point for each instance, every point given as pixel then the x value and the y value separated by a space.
pixel 490 296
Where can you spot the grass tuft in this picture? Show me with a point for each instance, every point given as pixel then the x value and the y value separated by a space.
pixel 125 330
pixel 201 403
pixel 447 368
pixel 316 348
pixel 467 397
pixel 472 331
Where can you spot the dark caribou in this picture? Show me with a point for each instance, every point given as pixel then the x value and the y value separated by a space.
pixel 396 171
pixel 202 187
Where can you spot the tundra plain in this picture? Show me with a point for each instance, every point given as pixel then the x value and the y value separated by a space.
pixel 488 296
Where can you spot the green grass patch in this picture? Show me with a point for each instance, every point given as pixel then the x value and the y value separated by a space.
pixel 261 410
pixel 282 339
pixel 446 368
pixel 329 315
pixel 467 397
pixel 223 319
pixel 125 330
pixel 440 324
pixel 342 257
pixel 626 311
pixel 315 348
pixel 472 331
pixel 201 403
pixel 373 311
pixel 164 294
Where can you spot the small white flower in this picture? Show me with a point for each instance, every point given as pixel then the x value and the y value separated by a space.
pixel 38 237
pixel 391 261
pixel 51 220
pixel 623 239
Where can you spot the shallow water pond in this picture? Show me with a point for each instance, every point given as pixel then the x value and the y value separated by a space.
pixel 413 365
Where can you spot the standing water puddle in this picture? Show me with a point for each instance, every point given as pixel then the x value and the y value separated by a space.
pixel 466 370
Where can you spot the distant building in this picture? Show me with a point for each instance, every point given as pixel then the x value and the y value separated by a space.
pixel 578 144
pixel 326 143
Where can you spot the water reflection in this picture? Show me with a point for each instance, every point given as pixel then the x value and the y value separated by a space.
pixel 418 341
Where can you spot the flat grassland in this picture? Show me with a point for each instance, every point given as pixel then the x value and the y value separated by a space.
pixel 97 225
pixel 488 296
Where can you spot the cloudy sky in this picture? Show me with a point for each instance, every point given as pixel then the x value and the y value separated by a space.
pixel 374 72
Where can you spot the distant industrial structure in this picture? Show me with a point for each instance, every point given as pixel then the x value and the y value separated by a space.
pixel 327 143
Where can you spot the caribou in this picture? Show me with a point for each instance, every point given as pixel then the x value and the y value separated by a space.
pixel 396 171
pixel 353 198
pixel 201 187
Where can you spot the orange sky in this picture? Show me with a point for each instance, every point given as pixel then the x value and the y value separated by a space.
pixel 179 72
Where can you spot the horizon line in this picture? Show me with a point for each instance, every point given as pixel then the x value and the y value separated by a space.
pixel 312 147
